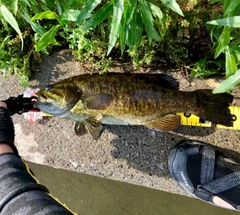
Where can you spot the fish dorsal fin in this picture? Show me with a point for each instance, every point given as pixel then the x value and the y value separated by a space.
pixel 80 128
pixel 94 126
pixel 98 101
pixel 162 80
pixel 167 123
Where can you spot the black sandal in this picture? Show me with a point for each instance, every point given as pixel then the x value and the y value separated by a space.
pixel 204 173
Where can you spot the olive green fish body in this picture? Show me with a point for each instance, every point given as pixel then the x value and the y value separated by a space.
pixel 126 99
pixel 133 109
pixel 131 100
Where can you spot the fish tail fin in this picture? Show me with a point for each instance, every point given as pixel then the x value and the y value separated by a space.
pixel 215 107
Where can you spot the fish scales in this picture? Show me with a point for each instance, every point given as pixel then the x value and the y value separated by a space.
pixel 125 99
pixel 135 99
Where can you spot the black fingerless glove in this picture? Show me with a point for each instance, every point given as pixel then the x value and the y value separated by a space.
pixel 7 129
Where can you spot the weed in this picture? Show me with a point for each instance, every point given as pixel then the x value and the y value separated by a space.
pixel 225 37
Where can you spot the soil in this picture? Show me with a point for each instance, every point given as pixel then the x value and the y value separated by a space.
pixel 132 154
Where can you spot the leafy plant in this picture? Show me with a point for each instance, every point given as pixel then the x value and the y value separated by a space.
pixel 15 47
pixel 229 83
pixel 123 23
pixel 127 18
pixel 19 34
pixel 7 16
pixel 226 43
pixel 143 30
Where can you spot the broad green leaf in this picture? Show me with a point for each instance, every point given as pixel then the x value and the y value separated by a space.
pixel 123 35
pixel 226 4
pixel 233 21
pixel 3 43
pixel 59 9
pixel 215 1
pixel 127 23
pixel 46 15
pixel 69 3
pixel 36 27
pixel 118 7
pixel 231 65
pixel 135 31
pixel 132 9
pixel 98 17
pixel 206 72
pixel 231 8
pixel 228 84
pixel 32 5
pixel 223 42
pixel 11 20
pixel 162 26
pixel 26 2
pixel 47 39
pixel 15 6
pixel 218 63
pixel 236 40
pixel 70 15
pixel 172 4
pixel 199 69
pixel 148 21
pixel 237 53
pixel 155 10
pixel 49 3
pixel 87 9
pixel 44 7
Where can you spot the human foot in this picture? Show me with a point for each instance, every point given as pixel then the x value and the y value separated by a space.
pixel 206 173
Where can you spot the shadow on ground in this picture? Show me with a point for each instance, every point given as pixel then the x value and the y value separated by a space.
pixel 146 149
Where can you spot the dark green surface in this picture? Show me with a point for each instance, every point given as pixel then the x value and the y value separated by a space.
pixel 91 195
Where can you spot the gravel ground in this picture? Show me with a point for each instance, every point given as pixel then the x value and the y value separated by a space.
pixel 131 154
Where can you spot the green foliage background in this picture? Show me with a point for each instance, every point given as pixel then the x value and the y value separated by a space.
pixel 198 35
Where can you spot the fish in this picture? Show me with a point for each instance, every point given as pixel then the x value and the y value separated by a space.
pixel 151 100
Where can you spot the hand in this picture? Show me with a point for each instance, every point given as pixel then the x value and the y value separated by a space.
pixel 5 148
pixel 3 104
pixel 6 131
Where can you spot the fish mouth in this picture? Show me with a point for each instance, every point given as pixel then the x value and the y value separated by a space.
pixel 42 99
pixel 47 107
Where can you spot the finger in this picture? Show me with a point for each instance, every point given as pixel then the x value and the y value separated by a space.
pixel 3 104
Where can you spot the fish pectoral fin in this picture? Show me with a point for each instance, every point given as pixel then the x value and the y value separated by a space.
pixel 167 123
pixel 94 126
pixel 80 128
pixel 98 101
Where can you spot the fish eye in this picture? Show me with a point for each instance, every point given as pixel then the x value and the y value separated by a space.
pixel 48 88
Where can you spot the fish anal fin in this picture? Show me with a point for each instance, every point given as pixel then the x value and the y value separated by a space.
pixel 167 123
pixel 98 101
pixel 94 126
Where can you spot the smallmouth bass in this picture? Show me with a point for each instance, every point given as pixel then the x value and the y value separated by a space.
pixel 129 99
